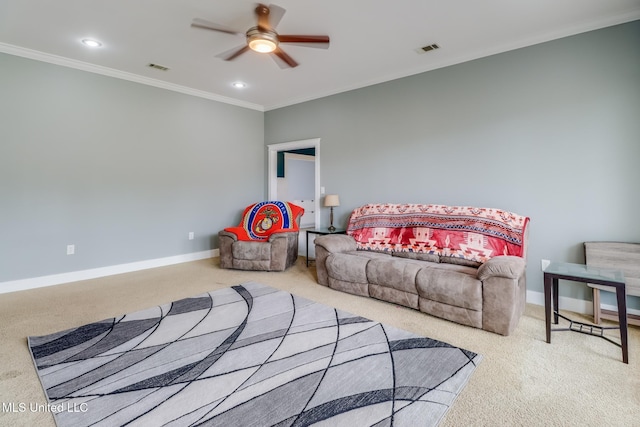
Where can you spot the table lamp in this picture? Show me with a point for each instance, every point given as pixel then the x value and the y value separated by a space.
pixel 331 200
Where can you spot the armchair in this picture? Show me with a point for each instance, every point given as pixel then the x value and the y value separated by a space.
pixel 266 239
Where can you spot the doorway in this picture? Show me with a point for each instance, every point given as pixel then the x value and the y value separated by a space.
pixel 304 168
pixel 296 182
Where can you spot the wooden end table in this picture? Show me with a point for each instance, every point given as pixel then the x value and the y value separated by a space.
pixel 585 274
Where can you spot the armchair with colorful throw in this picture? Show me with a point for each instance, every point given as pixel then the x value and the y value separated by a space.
pixel 266 239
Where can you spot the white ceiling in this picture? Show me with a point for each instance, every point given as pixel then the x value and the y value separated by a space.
pixel 372 41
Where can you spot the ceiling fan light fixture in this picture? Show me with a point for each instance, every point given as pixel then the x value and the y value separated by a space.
pixel 262 41
pixel 262 46
pixel 263 38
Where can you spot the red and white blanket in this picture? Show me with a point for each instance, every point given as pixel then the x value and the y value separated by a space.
pixel 261 220
pixel 475 234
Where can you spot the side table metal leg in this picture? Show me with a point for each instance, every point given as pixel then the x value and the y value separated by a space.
pixel 622 317
pixel 307 248
pixel 547 305
pixel 556 302
pixel 596 306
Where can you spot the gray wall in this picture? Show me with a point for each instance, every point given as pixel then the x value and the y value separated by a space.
pixel 122 170
pixel 550 131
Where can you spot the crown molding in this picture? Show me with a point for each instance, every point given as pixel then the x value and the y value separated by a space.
pixel 622 18
pixel 123 75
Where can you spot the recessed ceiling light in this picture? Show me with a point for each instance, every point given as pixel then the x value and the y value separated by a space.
pixel 91 43
pixel 239 85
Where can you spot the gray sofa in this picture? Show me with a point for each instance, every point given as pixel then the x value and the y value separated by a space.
pixel 489 295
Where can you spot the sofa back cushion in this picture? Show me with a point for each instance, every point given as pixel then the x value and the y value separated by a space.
pixel 421 256
pixel 261 220
pixel 462 232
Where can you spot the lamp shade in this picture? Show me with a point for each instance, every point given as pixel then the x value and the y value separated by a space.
pixel 331 200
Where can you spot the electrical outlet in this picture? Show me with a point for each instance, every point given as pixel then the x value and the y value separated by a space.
pixel 191 235
pixel 71 249
pixel 544 263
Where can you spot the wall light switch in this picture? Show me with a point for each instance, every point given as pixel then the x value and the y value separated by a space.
pixel 321 190
pixel 191 235
pixel 71 249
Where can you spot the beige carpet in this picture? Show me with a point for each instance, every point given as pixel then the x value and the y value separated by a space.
pixel 576 380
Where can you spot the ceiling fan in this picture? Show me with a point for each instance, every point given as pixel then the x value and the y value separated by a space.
pixel 263 38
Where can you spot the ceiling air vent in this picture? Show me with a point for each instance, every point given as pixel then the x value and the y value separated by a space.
pixel 158 67
pixel 429 48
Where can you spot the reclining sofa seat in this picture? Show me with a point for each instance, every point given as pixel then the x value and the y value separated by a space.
pixel 265 240
pixel 458 263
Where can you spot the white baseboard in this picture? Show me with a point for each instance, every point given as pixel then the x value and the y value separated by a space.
pixel 572 304
pixel 74 276
pixel 537 298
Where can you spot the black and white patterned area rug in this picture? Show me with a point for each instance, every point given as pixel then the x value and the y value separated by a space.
pixel 249 355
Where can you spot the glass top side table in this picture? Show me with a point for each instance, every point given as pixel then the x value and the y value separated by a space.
pixel 585 274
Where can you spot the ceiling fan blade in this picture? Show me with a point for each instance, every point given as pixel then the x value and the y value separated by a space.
pixel 207 25
pixel 321 42
pixel 282 59
pixel 275 14
pixel 232 54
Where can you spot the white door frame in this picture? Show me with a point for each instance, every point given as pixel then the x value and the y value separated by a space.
pixel 273 168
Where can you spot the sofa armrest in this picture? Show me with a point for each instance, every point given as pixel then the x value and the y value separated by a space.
pixel 225 240
pixel 333 243
pixel 504 293
pixel 509 267
pixel 284 249
pixel 229 234
pixel 325 246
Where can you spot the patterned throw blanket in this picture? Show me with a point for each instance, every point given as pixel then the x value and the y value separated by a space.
pixel 474 234
pixel 261 220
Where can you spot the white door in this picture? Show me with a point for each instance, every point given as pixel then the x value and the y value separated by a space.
pixel 298 185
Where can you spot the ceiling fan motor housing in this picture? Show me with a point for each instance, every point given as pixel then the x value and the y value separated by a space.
pixel 261 40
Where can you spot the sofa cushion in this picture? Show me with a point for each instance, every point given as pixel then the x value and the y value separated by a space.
pixel 361 289
pixel 464 316
pixel 249 264
pixel 392 273
pixel 471 271
pixel 456 286
pixel 347 267
pixel 254 251
pixel 370 254
pixel 407 299
pixel 459 261
pixel 417 255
